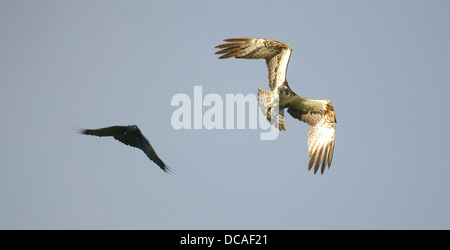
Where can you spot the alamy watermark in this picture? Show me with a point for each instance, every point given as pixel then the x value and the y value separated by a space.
pixel 213 112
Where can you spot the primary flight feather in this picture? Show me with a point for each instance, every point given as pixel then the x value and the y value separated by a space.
pixel 317 113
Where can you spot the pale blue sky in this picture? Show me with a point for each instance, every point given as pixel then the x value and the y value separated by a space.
pixel 67 64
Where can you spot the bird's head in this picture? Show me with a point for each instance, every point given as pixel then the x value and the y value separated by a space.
pixel 330 110
pixel 132 128
pixel 282 91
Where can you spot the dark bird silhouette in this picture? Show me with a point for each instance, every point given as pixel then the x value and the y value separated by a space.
pixel 132 136
pixel 317 113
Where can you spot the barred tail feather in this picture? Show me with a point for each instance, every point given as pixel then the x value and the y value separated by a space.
pixel 269 109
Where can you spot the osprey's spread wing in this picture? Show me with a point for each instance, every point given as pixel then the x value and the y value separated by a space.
pixel 276 54
pixel 317 113
pixel 132 136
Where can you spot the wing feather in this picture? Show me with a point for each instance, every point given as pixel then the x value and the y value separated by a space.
pixel 321 137
pixel 144 144
pixel 108 131
pixel 277 55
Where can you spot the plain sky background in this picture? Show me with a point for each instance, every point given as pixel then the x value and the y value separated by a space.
pixel 91 64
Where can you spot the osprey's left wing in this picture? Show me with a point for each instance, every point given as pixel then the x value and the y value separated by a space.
pixel 320 115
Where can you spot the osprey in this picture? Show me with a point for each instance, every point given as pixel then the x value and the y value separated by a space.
pixel 131 136
pixel 317 113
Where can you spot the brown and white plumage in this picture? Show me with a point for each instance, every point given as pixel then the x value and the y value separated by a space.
pixel 276 54
pixel 317 113
pixel 131 136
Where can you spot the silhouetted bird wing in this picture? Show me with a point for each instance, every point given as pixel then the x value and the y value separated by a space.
pixel 132 136
pixel 108 131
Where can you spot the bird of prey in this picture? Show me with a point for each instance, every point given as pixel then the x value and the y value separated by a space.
pixel 132 136
pixel 317 113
